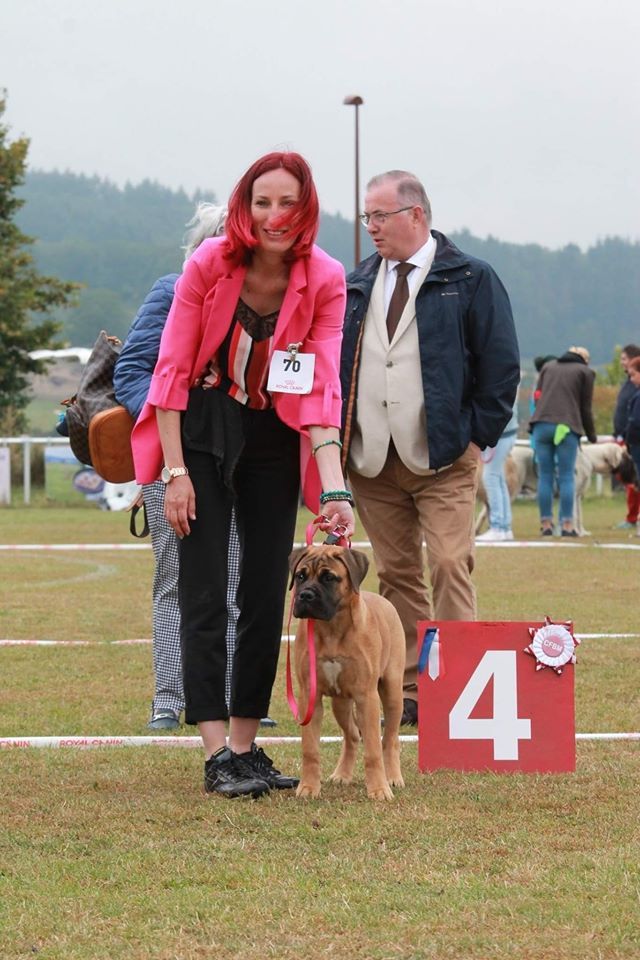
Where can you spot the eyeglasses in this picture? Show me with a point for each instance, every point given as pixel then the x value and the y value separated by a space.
pixel 380 216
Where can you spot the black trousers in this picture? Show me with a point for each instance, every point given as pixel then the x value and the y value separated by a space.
pixel 266 484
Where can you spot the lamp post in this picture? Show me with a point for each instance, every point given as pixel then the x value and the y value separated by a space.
pixel 355 101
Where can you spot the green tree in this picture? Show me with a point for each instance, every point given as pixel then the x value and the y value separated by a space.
pixel 612 373
pixel 24 292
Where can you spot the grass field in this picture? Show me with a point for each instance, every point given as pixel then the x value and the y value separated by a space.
pixel 116 853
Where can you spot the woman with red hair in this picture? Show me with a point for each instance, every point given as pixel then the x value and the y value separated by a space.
pixel 244 406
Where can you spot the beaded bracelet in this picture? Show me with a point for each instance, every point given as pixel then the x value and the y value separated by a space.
pixel 331 495
pixel 324 443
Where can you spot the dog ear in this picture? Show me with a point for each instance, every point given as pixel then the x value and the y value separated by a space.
pixel 294 559
pixel 357 564
pixel 626 472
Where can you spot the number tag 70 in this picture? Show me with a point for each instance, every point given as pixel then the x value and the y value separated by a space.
pixel 291 372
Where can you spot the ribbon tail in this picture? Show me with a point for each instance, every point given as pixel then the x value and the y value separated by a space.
pixel 433 666
pixel 431 657
pixel 436 659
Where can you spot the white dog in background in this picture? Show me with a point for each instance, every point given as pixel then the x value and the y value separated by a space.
pixel 604 458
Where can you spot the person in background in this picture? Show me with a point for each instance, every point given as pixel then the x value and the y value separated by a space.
pixel 538 363
pixel 245 306
pixel 132 377
pixel 495 483
pixel 620 418
pixel 563 413
pixel 430 369
pixel 632 432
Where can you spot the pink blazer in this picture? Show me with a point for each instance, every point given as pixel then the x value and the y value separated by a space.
pixel 205 299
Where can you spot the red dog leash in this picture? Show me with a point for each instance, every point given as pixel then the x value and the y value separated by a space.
pixel 313 676
pixel 338 538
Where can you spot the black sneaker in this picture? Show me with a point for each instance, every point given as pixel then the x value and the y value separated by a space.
pixel 409 716
pixel 226 775
pixel 262 766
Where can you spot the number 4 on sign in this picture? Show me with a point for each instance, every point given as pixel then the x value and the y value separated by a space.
pixel 504 727
pixel 491 709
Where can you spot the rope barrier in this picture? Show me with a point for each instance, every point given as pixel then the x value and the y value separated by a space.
pixel 88 743
pixel 284 639
pixel 357 544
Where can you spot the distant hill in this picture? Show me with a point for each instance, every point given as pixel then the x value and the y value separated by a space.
pixel 117 241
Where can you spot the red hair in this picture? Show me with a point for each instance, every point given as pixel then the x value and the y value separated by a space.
pixel 303 219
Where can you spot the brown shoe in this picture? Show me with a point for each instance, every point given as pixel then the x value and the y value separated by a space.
pixel 409 713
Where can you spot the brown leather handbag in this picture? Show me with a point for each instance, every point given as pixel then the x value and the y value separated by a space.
pixel 110 445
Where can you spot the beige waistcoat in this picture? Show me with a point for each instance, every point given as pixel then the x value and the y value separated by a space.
pixel 390 399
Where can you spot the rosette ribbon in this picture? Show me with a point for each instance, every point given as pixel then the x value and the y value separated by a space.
pixel 552 646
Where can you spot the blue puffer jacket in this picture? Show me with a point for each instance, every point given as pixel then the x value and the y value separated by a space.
pixel 468 351
pixel 137 360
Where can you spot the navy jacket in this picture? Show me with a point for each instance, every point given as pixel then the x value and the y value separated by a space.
pixel 468 351
pixel 137 360
pixel 632 431
pixel 621 413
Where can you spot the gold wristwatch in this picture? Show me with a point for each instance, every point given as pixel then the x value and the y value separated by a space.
pixel 168 473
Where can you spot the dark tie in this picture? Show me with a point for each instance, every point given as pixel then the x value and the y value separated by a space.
pixel 399 297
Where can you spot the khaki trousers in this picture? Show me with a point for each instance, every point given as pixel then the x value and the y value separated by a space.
pixel 399 509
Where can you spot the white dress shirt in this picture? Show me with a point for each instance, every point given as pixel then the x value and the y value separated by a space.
pixel 421 258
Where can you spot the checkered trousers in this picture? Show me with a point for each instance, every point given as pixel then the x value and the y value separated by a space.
pixel 167 658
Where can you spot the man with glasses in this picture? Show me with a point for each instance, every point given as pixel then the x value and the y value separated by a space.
pixel 430 369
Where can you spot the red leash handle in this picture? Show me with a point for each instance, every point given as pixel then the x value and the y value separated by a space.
pixel 336 538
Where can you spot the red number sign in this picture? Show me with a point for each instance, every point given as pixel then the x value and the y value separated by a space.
pixel 482 705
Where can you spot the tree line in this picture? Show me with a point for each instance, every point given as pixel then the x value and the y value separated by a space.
pixel 27 296
pixel 116 241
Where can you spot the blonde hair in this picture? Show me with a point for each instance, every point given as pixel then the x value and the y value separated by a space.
pixel 208 221
pixel 582 352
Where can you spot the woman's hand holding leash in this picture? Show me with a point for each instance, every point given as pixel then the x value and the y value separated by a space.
pixel 338 517
pixel 336 501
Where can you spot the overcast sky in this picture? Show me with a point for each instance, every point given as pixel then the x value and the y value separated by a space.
pixel 520 117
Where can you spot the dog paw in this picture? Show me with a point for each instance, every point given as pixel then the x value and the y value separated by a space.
pixel 380 793
pixel 396 781
pixel 339 777
pixel 307 791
